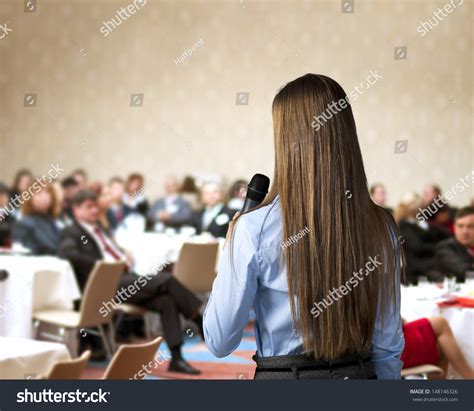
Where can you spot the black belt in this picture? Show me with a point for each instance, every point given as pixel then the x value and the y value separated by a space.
pixel 301 362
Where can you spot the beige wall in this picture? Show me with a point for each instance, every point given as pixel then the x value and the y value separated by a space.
pixel 189 121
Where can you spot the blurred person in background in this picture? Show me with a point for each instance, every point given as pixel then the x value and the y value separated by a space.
pixel 134 200
pixel 237 194
pixel 171 210
pixel 70 187
pixel 418 238
pixel 455 256
pixel 38 229
pixel 80 176
pixel 22 181
pixel 215 216
pixel 104 201
pixel 6 218
pixel 430 193
pixel 190 192
pixel 85 242
pixel 440 214
pixel 379 195
pixel 116 211
pixel 95 187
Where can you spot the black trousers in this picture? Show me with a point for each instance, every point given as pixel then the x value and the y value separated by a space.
pixel 165 295
pixel 302 367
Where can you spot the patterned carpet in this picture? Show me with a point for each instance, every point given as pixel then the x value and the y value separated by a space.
pixel 238 365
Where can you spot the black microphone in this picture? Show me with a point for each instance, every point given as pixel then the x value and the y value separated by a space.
pixel 256 192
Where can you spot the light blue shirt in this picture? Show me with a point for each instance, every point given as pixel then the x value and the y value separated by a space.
pixel 258 280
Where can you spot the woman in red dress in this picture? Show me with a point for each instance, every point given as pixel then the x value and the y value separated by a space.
pixel 431 341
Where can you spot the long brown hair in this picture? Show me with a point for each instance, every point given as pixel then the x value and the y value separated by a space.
pixel 321 183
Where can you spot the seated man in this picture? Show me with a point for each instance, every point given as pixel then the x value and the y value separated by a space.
pixel 456 255
pixel 171 210
pixel 215 217
pixel 85 242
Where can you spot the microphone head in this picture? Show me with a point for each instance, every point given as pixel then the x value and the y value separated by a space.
pixel 258 187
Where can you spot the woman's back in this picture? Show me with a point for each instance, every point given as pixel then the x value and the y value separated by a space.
pixel 258 280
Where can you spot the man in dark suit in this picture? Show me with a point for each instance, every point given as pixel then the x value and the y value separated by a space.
pixel 85 242
pixel 456 255
pixel 171 210
pixel 215 217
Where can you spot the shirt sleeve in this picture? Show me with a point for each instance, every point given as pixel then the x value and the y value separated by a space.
pixel 388 341
pixel 233 293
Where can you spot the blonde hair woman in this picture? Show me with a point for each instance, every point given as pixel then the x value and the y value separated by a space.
pixel 318 261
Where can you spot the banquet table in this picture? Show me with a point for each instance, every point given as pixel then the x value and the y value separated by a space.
pixel 33 283
pixel 22 358
pixel 418 302
pixel 153 252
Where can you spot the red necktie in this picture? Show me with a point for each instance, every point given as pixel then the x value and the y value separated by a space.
pixel 106 245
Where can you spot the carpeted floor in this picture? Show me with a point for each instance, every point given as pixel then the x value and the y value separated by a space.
pixel 238 365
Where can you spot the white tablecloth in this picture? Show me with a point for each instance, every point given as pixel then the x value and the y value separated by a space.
pixel 418 302
pixel 33 283
pixel 21 358
pixel 152 251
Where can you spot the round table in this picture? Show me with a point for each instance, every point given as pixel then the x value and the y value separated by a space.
pixel 22 358
pixel 33 283
pixel 153 252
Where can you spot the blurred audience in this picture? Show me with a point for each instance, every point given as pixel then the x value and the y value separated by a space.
pixel 134 200
pixel 85 242
pixel 419 240
pixel 455 256
pixel 38 230
pixel 171 210
pixel 215 216
pixel 237 194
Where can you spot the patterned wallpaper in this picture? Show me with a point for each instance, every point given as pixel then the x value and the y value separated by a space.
pixel 174 87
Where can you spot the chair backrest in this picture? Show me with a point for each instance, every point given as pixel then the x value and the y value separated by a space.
pixel 69 370
pixel 99 294
pixel 196 266
pixel 132 361
pixel 424 370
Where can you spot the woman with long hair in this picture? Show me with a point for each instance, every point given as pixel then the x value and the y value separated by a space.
pixel 318 261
